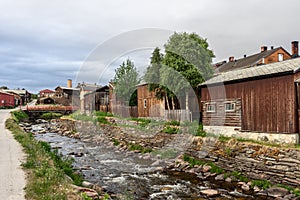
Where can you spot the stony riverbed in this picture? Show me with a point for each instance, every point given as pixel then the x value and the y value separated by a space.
pixel 131 175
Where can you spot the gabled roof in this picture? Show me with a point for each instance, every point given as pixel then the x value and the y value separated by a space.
pixel 6 93
pixel 67 88
pixel 249 61
pixel 19 92
pixel 287 66
pixel 47 91
pixel 88 87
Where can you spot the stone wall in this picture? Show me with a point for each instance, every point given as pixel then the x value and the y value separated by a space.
pixel 278 165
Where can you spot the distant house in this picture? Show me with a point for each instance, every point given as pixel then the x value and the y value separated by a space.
pixel 21 95
pixel 97 100
pixel 46 93
pixel 265 56
pixel 46 100
pixel 7 99
pixel 262 100
pixel 67 95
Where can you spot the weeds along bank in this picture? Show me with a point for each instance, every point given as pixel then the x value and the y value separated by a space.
pixel 48 175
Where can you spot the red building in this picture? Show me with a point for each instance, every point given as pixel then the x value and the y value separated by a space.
pixel 6 99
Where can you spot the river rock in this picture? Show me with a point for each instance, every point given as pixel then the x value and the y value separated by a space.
pixel 87 184
pixel 206 168
pixel 210 192
pixel 277 192
pixel 219 177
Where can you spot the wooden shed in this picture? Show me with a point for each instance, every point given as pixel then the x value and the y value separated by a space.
pixel 148 104
pixel 6 99
pixel 263 99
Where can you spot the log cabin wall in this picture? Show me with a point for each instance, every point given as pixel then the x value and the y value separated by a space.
pixel 267 105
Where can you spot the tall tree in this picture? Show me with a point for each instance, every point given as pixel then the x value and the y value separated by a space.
pixel 126 80
pixel 187 54
pixel 153 77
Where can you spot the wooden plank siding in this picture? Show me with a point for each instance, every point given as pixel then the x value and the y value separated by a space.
pixel 267 105
pixel 148 104
pixel 221 117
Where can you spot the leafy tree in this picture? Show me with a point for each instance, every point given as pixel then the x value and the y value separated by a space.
pixel 3 88
pixel 187 54
pixel 125 80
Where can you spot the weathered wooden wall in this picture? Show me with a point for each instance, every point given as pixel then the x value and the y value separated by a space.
pixel 268 105
pixel 221 117
pixel 154 107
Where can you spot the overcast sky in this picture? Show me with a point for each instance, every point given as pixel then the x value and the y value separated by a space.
pixel 44 43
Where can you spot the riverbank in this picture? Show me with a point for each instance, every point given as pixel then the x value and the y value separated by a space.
pixel 224 152
pixel 48 175
pixel 12 177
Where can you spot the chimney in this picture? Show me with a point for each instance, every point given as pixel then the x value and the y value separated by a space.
pixel 245 55
pixel 263 48
pixel 272 47
pixel 69 85
pixel 231 59
pixel 295 49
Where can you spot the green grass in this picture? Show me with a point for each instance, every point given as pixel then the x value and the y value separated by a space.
pixel 50 115
pixel 46 170
pixel 134 147
pixel 264 184
pixel 192 161
pixel 19 115
pixel 102 114
pixel 116 142
pixel 143 122
pixel 237 175
pixel 170 130
pixel 172 123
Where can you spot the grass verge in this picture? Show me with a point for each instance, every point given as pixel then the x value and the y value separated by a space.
pixel 46 171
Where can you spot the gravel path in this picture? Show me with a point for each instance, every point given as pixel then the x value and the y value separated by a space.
pixel 12 177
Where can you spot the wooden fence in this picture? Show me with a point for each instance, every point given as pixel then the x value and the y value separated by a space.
pixel 178 115
pixel 125 111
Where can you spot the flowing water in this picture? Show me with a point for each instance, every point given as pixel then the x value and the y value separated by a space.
pixel 134 176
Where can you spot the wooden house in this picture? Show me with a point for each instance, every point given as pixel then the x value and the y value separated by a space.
pixel 46 93
pixel 22 96
pixel 97 100
pixel 6 99
pixel 261 102
pixel 265 56
pixel 148 104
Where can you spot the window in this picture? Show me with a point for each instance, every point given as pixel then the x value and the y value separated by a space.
pixel 145 103
pixel 280 57
pixel 211 107
pixel 229 107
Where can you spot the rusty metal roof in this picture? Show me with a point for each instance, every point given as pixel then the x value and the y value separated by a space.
pixel 291 65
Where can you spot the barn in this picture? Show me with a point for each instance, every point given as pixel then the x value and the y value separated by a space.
pixel 6 99
pixel 260 102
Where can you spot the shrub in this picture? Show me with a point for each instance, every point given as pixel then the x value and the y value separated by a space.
pixel 170 130
pixel 19 115
pixel 102 114
pixel 173 123
pixel 51 115
pixel 143 122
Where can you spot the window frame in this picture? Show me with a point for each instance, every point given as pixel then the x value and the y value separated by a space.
pixel 208 105
pixel 231 103
pixel 280 54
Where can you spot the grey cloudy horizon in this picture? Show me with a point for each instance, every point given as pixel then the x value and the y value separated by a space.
pixel 44 43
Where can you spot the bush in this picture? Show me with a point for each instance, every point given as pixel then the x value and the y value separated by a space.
pixel 143 122
pixel 19 115
pixel 51 115
pixel 170 130
pixel 173 123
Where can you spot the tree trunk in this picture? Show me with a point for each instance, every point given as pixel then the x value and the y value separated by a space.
pixel 187 100
pixel 173 103
pixel 167 101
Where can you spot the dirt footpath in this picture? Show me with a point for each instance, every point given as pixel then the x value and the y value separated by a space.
pixel 12 177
